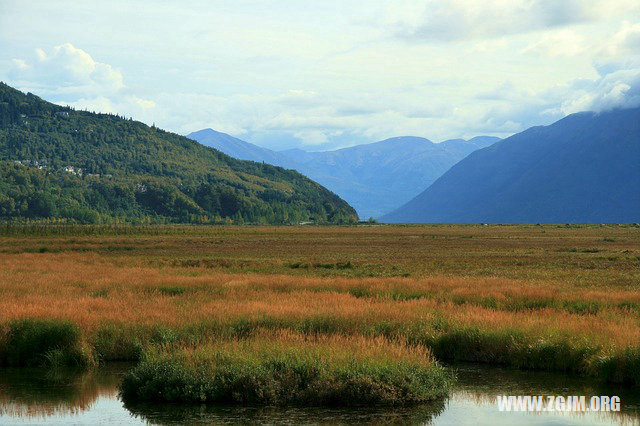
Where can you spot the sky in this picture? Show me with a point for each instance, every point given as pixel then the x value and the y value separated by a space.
pixel 321 75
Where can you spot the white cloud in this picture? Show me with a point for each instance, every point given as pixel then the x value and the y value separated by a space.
pixel 619 89
pixel 70 68
pixel 19 65
pixel 564 42
pixel 621 51
pixel 626 40
pixel 618 85
pixel 70 76
pixel 326 75
pixel 143 103
pixel 445 20
pixel 614 84
pixel 129 106
pixel 312 137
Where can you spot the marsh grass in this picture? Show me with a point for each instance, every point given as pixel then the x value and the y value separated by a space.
pixel 280 368
pixel 322 265
pixel 104 293
pixel 168 290
pixel 517 296
pixel 61 344
pixel 51 343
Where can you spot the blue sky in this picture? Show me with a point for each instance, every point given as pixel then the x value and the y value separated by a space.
pixel 322 75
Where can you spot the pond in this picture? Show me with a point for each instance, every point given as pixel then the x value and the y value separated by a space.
pixel 32 396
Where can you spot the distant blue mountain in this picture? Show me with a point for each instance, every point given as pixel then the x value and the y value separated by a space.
pixel 374 178
pixel 584 168
pixel 235 147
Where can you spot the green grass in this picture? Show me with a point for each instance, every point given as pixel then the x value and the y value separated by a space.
pixel 52 343
pixel 267 372
pixel 33 342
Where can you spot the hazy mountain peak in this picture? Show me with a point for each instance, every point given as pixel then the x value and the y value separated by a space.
pixel 406 139
pixel 209 134
pixel 236 147
pixel 375 178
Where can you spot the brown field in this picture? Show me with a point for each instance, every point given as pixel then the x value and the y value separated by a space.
pixel 543 297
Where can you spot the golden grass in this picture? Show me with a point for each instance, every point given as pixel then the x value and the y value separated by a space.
pixel 89 290
pixel 580 285
pixel 327 348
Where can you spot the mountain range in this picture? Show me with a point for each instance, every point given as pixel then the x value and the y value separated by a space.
pixel 60 164
pixel 584 168
pixel 374 178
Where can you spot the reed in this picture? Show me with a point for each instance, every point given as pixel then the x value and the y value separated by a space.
pixel 514 295
pixel 280 368
pixel 33 342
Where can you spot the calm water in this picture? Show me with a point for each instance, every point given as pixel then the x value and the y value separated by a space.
pixel 36 397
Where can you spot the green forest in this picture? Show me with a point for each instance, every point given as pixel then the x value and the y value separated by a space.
pixel 59 165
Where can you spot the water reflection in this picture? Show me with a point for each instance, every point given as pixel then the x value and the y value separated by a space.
pixel 172 414
pixel 478 386
pixel 33 396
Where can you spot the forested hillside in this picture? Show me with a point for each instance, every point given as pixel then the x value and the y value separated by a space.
pixel 58 164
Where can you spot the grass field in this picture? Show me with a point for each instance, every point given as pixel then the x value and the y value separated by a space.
pixel 564 298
